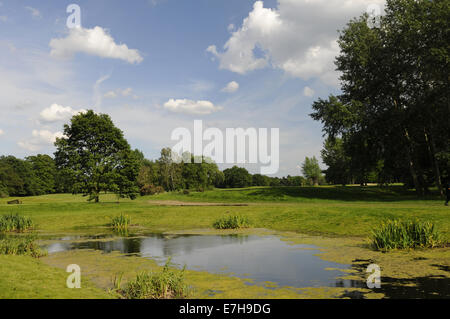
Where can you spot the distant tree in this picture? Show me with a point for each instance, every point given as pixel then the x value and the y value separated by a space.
pixel 97 157
pixel 260 180
pixel 311 170
pixel 18 178
pixel 237 177
pixel 45 170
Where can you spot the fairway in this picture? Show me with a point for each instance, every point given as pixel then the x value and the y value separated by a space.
pixel 336 220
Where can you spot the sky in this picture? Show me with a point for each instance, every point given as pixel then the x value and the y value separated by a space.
pixel 156 65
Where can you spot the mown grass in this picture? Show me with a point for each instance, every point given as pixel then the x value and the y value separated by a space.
pixel 15 223
pixel 120 222
pixel 166 284
pixel 232 222
pixel 397 234
pixel 19 245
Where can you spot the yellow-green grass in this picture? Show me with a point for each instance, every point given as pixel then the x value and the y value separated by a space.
pixel 27 277
pixel 336 217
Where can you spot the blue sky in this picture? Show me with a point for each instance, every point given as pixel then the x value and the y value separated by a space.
pixel 155 65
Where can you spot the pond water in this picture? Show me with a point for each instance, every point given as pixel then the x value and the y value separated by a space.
pixel 261 258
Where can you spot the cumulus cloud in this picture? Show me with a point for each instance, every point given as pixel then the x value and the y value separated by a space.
pixel 39 139
pixel 56 112
pixel 191 107
pixel 307 91
pixel 231 87
pixel 290 38
pixel 96 41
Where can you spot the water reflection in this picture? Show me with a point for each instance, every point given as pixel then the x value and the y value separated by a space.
pixel 261 258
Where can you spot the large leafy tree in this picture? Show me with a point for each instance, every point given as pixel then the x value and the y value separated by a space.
pixel 97 157
pixel 394 107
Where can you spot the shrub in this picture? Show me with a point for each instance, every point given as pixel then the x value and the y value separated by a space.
pixel 15 222
pixel 186 192
pixel 120 222
pixel 166 284
pixel 232 222
pixel 21 246
pixel 150 189
pixel 396 234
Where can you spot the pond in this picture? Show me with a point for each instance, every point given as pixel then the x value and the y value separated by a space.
pixel 260 258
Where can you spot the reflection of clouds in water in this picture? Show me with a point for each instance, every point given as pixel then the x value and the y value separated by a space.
pixel 262 258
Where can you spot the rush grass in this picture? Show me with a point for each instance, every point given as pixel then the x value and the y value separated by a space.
pixel 397 234
pixel 166 284
pixel 121 222
pixel 232 222
pixel 15 223
pixel 19 245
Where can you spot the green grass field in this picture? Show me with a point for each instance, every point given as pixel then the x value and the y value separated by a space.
pixel 333 212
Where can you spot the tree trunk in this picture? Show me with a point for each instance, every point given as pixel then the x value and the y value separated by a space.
pixel 436 171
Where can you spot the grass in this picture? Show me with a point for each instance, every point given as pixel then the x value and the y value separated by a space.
pixel 166 284
pixel 232 222
pixel 14 222
pixel 396 234
pixel 21 246
pixel 120 222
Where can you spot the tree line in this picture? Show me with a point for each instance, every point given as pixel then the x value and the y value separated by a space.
pixel 391 122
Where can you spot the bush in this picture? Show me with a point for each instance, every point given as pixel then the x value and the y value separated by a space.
pixel 166 284
pixel 395 234
pixel 121 222
pixel 186 192
pixel 232 222
pixel 21 246
pixel 150 189
pixel 11 222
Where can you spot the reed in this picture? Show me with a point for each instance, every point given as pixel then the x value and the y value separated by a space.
pixel 167 284
pixel 232 222
pixel 15 223
pixel 120 222
pixel 396 234
pixel 19 245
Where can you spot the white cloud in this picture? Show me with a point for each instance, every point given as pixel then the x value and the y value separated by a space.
pixel 120 92
pixel 191 107
pixel 39 139
pixel 230 27
pixel 56 112
pixel 96 41
pixel 1 132
pixel 298 37
pixel 231 87
pixel 307 91
pixel 35 13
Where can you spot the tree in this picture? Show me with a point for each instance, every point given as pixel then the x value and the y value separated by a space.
pixel 45 170
pixel 237 177
pixel 18 178
pixel 97 157
pixel 334 156
pixel 392 115
pixel 311 170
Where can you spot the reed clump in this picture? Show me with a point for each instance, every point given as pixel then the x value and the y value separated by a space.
pixel 397 234
pixel 19 245
pixel 120 222
pixel 232 222
pixel 15 223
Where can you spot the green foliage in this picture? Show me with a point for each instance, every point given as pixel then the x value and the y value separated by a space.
pixel 311 170
pixel 237 177
pixel 19 245
pixel 18 178
pixel 151 190
pixel 15 223
pixel 167 284
pixel 120 222
pixel 45 170
pixel 97 157
pixel 396 234
pixel 232 222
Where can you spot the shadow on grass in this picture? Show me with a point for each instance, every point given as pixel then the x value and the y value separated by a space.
pixel 341 193
pixel 427 287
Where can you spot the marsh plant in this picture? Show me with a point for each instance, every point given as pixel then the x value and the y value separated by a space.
pixel 396 234
pixel 19 245
pixel 232 222
pixel 120 222
pixel 167 284
pixel 15 223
